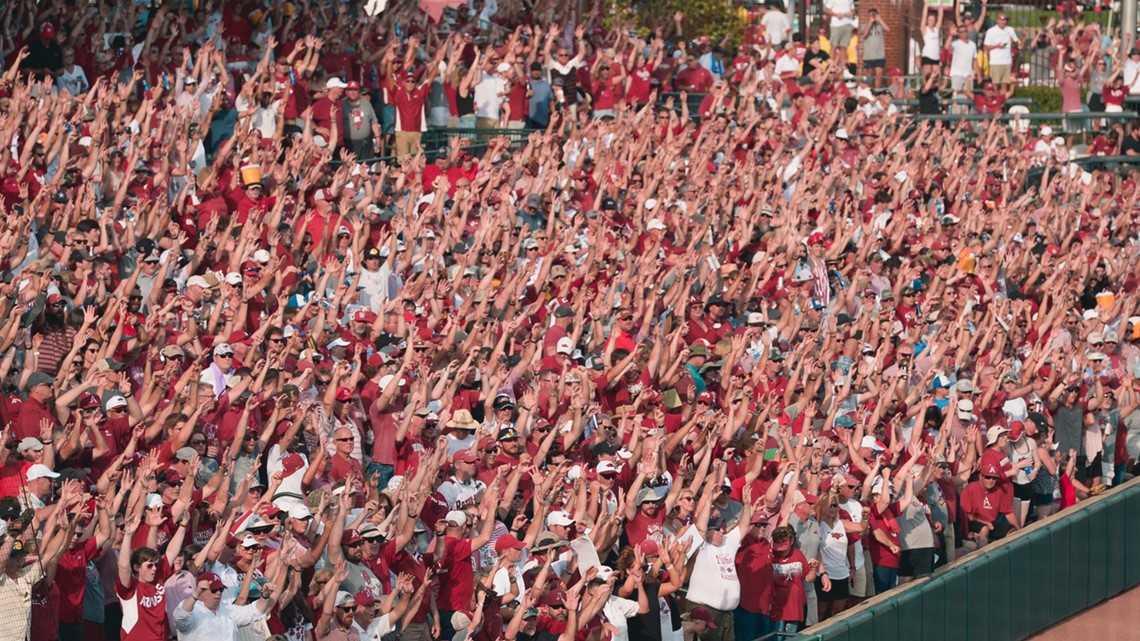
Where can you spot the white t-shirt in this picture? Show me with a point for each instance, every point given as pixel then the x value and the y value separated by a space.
pixel 502 581
pixel 1131 76
pixel 74 81
pixel 996 35
pixel 833 550
pixel 840 6
pixel 855 509
pixel 617 610
pixel 488 96
pixel 776 27
pixel 787 64
pixel 714 581
pixel 962 55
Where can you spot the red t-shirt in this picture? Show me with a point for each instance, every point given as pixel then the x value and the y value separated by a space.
pixel 144 607
pixel 754 567
pixel 983 505
pixel 71 577
pixel 456 576
pixel 788 596
pixel 639 86
pixel 642 527
pixel 887 523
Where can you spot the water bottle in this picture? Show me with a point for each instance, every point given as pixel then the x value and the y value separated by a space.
pixel 292 76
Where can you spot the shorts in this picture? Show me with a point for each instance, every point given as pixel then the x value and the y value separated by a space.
pixel 1041 500
pixel 841 36
pixel 1000 74
pixel 840 590
pixel 915 563
pixel 930 62
pixel 1022 492
pixel 958 84
pixel 875 64
pixel 864 586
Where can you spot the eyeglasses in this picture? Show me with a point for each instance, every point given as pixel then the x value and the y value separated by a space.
pixel 345 439
pixel 277 340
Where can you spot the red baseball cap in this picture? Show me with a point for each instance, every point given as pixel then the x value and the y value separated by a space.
pixel 214 580
pixel 991 471
pixel 649 547
pixel 1016 429
pixel 555 597
pixel 351 537
pixel 89 401
pixel 508 542
pixel 363 599
pixel 352 84
pixel 291 464
pixel 700 614
pixel 487 443
pixel 344 394
pixel 463 456
pixel 364 316
pixel 706 397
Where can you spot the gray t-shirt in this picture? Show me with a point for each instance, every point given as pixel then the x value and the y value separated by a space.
pixel 359 119
pixel 1068 426
pixel 873 45
pixel 914 529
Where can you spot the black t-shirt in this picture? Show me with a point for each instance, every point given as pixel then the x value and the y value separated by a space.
pixel 1130 144
pixel 809 57
pixel 928 102
pixel 43 55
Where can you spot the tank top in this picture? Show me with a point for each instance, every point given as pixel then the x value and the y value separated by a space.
pixel 1045 482
pixel 1022 458
pixel 465 105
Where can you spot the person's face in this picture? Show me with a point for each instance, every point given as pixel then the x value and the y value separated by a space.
pixel 210 598
pixel 147 571
pixel 989 482
pixel 512 447
pixel 345 614
pixel 558 611
pixel 344 441
pixel 41 392
pixel 650 508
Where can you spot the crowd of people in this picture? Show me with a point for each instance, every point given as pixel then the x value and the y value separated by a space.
pixel 644 374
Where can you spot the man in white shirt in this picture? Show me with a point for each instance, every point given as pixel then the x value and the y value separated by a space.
pixel 489 94
pixel 777 27
pixel 714 583
pixel 203 616
pixel 1131 72
pixel 963 63
pixel 998 43
pixel 842 14
pixel 618 610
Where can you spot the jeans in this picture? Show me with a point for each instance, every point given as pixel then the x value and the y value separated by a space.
pixel 789 627
pixel 386 472
pixel 885 578
pixel 750 625
pixel 70 632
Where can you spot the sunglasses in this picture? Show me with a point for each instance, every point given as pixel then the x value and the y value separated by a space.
pixel 345 439
pixel 225 355
pixel 216 590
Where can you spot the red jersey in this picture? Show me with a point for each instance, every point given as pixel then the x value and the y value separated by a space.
pixel 455 574
pixel 788 596
pixel 144 606
pixel 409 107
pixel 71 577
pixel 983 505
pixel 754 567
pixel 887 523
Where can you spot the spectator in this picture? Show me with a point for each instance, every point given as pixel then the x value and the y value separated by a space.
pixel 999 43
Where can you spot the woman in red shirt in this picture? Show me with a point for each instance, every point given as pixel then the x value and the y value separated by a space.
pixel 790 568
pixel 884 542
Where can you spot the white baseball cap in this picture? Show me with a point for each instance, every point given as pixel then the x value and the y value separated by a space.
pixel 335 83
pixel 41 471
pixel 559 517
